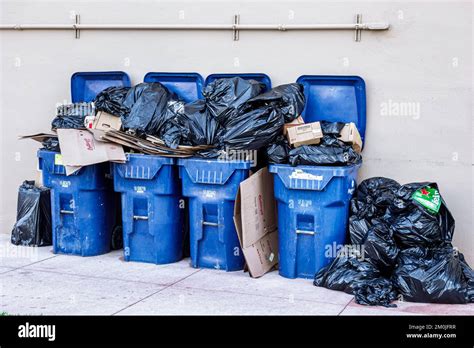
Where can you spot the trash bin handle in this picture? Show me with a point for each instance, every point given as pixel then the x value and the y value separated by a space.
pixel 66 211
pixel 214 224
pixel 305 232
pixel 140 217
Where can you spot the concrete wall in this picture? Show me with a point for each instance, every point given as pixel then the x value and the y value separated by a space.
pixel 425 59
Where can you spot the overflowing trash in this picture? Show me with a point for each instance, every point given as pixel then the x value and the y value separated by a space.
pixel 234 115
pixel 33 221
pixel 317 143
pixel 402 234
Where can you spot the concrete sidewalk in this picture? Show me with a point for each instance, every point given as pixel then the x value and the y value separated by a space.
pixel 36 281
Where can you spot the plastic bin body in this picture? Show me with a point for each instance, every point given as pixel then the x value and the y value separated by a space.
pixel 313 211
pixel 211 187
pixel 81 206
pixel 151 208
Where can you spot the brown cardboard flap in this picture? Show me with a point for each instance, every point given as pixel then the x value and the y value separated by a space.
pixel 255 221
pixel 258 207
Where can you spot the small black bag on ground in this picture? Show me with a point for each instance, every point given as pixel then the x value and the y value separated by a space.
pixel 349 272
pixel 33 225
pixel 437 275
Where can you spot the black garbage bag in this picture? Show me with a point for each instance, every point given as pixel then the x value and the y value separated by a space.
pixel 435 275
pixel 71 116
pixel 345 270
pixel 51 144
pixel 68 122
pixel 253 128
pixel 331 128
pixel 349 272
pixel 171 132
pixel 225 96
pixel 414 222
pixel 371 200
pixel 373 196
pixel 380 248
pixel 278 151
pixel 289 99
pixel 149 108
pixel 33 220
pixel 375 292
pixel 324 155
pixel 197 125
pixel 111 101
pixel 358 228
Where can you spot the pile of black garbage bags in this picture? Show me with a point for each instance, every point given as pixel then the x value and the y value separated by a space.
pixel 235 114
pixel 400 248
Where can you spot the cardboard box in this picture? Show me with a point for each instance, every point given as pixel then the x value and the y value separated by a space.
pixel 80 148
pixel 350 134
pixel 296 122
pixel 256 223
pixel 305 134
pixel 104 121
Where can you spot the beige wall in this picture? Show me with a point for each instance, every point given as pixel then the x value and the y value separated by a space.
pixel 426 58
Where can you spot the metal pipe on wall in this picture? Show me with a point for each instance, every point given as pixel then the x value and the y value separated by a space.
pixel 278 27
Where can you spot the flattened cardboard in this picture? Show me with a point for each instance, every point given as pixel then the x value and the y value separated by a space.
pixel 305 134
pixel 80 148
pixel 296 122
pixel 39 137
pixel 350 134
pixel 256 224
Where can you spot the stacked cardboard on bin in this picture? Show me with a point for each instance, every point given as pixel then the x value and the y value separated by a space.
pixel 299 133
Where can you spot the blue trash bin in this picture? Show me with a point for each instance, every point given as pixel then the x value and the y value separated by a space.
pixel 313 211
pixel 211 187
pixel 81 206
pixel 313 201
pixel 152 209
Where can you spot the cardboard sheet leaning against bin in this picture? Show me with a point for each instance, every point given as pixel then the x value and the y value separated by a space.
pixel 255 221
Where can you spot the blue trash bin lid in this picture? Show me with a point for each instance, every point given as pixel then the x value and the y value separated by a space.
pixel 336 99
pixel 260 77
pixel 188 86
pixel 86 85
